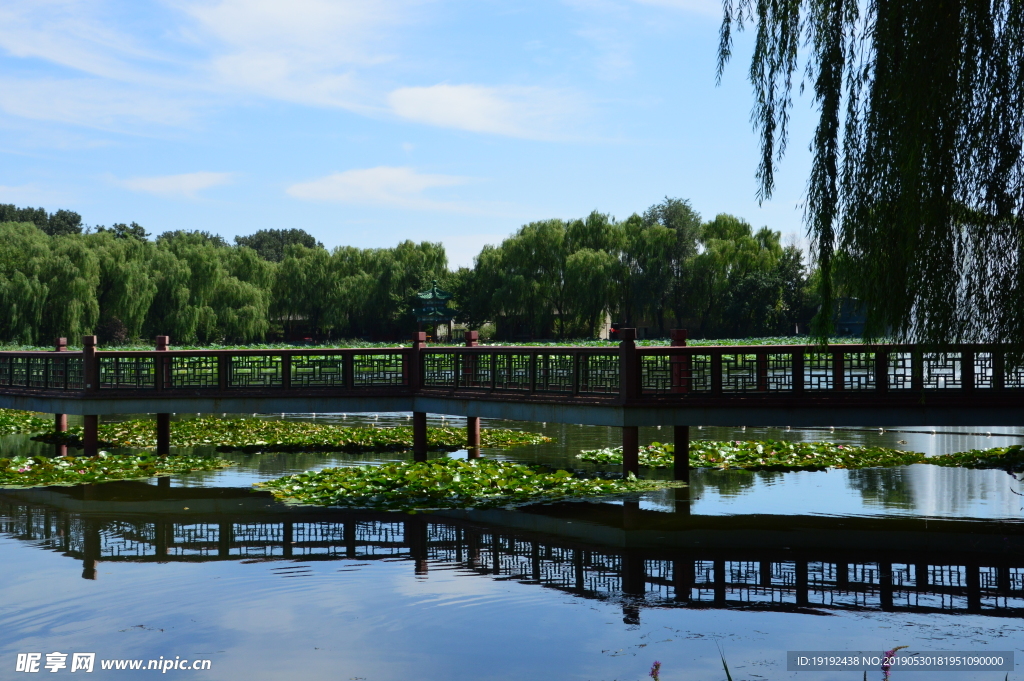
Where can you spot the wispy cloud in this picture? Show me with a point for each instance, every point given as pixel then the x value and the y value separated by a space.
pixel 528 112
pixel 186 185
pixel 385 185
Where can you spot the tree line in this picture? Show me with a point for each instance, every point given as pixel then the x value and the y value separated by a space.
pixel 556 278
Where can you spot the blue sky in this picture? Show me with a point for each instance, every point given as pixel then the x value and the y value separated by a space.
pixel 367 122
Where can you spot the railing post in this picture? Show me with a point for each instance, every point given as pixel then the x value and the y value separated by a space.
pixel 967 370
pixel 998 369
pixel 680 364
pixel 472 422
pixel 629 380
pixel 223 370
pixel 716 372
pixel 882 369
pixel 838 380
pixel 90 364
pixel 798 371
pixel 414 361
pixel 762 371
pixel 286 370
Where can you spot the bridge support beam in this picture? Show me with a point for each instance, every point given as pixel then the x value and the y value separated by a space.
pixel 681 462
pixel 90 438
pixel 419 436
pixel 473 436
pixel 163 434
pixel 630 450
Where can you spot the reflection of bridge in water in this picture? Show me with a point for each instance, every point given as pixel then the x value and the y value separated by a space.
pixel 603 551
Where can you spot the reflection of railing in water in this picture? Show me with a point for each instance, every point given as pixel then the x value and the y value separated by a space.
pixel 692 577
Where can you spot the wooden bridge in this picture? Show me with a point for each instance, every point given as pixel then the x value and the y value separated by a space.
pixel 639 559
pixel 627 387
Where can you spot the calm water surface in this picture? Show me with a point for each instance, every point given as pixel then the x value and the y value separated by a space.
pixel 753 563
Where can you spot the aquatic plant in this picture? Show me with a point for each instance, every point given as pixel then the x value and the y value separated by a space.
pixel 762 455
pixel 1009 459
pixel 262 435
pixel 37 471
pixel 444 484
pixel 17 421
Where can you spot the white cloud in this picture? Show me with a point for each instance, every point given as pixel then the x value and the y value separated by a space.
pixel 529 112
pixel 397 186
pixel 186 185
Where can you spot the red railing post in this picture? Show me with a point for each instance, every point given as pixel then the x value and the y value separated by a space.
pixel 882 369
pixel 682 370
pixel 629 378
pixel 967 370
pixel 90 364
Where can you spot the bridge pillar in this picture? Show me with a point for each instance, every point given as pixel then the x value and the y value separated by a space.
pixel 163 434
pixel 630 450
pixel 681 457
pixel 60 424
pixel 90 438
pixel 473 436
pixel 419 436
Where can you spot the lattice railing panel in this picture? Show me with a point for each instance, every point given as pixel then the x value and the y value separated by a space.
pixel 555 373
pixel 256 371
pixel 984 370
pixel 312 371
pixel 512 371
pixel 194 372
pixel 127 372
pixel 818 373
pixel 475 370
pixel 599 373
pixel 439 369
pixel 378 369
pixel 664 374
pixel 901 370
pixel 19 371
pixel 780 372
pixel 859 371
pixel 36 372
pixel 941 370
pixel 739 373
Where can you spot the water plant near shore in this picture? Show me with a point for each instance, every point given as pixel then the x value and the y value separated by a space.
pixel 776 455
pixel 263 435
pixel 762 455
pixel 38 471
pixel 444 484
pixel 17 421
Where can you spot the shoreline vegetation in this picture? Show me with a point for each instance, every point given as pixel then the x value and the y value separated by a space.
pixel 67 471
pixel 776 455
pixel 357 343
pixel 446 484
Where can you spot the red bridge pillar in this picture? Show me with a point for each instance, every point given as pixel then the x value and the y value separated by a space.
pixel 680 383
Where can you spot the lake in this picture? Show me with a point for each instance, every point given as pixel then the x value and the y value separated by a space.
pixel 742 565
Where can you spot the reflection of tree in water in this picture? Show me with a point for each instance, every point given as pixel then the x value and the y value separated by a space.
pixel 886 487
pixel 731 483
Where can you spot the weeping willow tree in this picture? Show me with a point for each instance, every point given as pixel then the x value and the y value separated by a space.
pixel 916 182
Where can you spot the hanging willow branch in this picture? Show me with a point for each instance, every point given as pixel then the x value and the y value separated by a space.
pixel 915 194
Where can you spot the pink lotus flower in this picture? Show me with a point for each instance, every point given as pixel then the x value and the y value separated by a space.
pixel 655 671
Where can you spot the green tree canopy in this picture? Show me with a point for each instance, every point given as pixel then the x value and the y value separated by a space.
pixel 271 244
pixel 917 177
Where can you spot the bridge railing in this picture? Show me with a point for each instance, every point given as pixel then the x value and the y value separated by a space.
pixel 645 372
